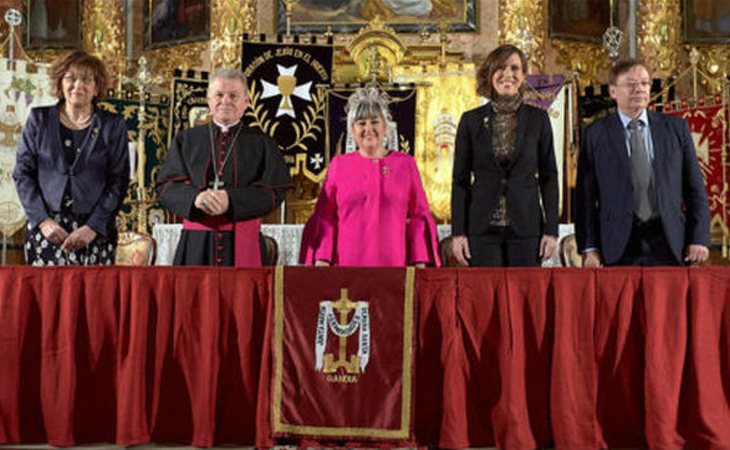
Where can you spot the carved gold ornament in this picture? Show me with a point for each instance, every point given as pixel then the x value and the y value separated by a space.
pixel 230 20
pixel 103 34
pixel 713 64
pixel 659 35
pixel 184 57
pixel 376 50
pixel 521 23
pixel 590 62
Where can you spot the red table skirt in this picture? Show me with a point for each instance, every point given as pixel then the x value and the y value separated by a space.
pixel 513 358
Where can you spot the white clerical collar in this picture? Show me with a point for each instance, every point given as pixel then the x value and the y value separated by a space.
pixel 225 128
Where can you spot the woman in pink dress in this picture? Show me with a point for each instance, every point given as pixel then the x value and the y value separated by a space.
pixel 372 210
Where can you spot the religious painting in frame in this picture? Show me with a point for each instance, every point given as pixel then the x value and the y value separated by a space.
pixel 581 20
pixel 348 16
pixel 706 21
pixel 52 24
pixel 171 22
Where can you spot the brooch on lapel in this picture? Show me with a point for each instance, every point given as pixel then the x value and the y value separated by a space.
pixel 94 132
pixel 486 122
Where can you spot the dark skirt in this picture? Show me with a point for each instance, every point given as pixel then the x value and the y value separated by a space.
pixel 40 252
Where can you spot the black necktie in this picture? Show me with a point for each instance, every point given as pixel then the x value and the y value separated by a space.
pixel 642 176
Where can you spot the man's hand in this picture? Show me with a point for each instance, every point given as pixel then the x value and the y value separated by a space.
pixel 53 232
pixel 592 258
pixel 213 202
pixel 79 239
pixel 321 263
pixel 460 247
pixel 697 254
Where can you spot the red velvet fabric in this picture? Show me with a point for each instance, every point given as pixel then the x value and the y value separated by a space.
pixel 131 355
pixel 514 358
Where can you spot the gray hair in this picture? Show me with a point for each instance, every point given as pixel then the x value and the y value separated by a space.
pixel 369 102
pixel 231 74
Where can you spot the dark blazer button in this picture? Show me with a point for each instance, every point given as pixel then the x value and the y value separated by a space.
pixel 504 181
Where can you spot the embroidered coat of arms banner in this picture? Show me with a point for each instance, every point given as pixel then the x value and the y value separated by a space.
pixel 22 87
pixel 286 103
pixel 188 104
pixel 343 354
pixel 707 121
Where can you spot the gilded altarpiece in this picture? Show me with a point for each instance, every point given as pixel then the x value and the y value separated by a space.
pixel 659 35
pixel 522 22
pixel 231 19
pixel 589 62
pixel 103 33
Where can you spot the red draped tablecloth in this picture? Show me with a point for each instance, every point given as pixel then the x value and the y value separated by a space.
pixel 513 358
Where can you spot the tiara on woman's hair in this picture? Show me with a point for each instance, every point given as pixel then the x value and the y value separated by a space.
pixel 368 95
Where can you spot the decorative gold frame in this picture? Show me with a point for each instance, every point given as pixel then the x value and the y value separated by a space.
pixel 693 36
pixel 462 19
pixel 596 39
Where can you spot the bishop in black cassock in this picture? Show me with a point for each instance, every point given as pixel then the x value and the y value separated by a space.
pixel 221 178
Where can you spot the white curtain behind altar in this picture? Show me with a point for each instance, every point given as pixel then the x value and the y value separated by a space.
pixel 289 238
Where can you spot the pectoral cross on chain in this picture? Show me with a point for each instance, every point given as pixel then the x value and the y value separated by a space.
pixel 216 183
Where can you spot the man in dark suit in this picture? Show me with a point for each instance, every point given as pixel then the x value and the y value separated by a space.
pixel 640 197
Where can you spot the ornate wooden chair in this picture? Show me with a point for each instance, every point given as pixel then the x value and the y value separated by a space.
pixel 569 255
pixel 135 249
pixel 272 251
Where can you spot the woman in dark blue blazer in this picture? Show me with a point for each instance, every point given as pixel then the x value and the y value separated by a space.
pixel 504 203
pixel 72 169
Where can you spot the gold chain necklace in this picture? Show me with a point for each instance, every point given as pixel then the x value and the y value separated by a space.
pixel 82 123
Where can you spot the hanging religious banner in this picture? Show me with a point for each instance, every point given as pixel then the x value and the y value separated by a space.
pixel 444 93
pixel 188 102
pixel 343 354
pixel 22 87
pixel 594 103
pixel 285 102
pixel 156 125
pixel 550 92
pixel 708 121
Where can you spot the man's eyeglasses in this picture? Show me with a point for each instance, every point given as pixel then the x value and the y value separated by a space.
pixel 635 85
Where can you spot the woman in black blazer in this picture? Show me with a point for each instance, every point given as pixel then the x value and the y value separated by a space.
pixel 504 199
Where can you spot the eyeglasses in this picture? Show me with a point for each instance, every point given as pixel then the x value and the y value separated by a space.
pixel 636 84
pixel 72 79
